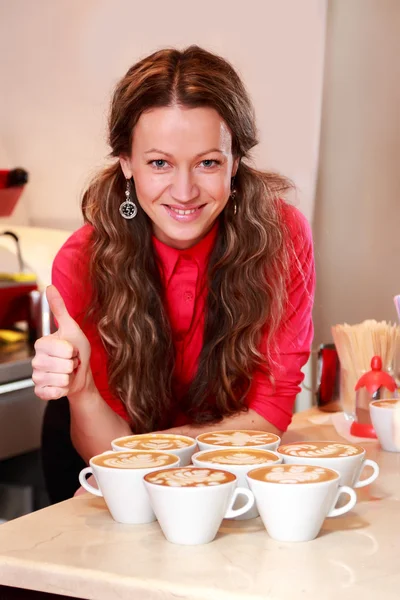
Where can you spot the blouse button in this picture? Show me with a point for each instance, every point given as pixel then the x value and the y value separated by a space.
pixel 188 296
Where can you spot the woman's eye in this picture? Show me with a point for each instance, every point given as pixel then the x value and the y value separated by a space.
pixel 159 164
pixel 208 163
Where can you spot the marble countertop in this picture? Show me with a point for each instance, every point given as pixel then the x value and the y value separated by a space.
pixel 75 548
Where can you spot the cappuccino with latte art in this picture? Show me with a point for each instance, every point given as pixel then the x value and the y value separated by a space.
pixel 389 403
pixel 134 460
pixel 238 461
pixel 320 449
pixel 294 474
pixel 154 441
pixel 238 439
pixel 190 477
pixel 119 476
pixel 385 417
pixel 347 459
pixel 239 456
pixel 178 445
pixel 294 500
pixel 190 502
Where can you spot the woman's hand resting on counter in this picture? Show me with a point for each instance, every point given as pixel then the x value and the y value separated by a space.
pixel 61 365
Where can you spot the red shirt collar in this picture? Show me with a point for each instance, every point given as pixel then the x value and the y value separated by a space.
pixel 200 253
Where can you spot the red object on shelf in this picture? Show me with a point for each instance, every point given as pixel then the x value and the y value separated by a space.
pixel 12 183
pixel 8 200
pixel 3 179
pixel 372 381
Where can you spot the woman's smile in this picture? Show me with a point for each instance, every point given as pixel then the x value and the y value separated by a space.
pixel 184 215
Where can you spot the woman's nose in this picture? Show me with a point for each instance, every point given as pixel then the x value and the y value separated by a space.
pixel 183 188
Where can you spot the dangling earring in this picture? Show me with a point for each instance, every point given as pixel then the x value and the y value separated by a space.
pixel 233 196
pixel 127 208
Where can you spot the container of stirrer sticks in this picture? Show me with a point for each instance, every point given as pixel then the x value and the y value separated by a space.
pixel 356 345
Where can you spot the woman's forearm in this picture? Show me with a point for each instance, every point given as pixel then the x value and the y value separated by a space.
pixel 94 424
pixel 244 420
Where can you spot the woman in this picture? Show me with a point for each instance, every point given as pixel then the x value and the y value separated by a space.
pixel 184 302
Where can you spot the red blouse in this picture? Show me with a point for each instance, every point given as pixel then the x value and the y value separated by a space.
pixel 184 277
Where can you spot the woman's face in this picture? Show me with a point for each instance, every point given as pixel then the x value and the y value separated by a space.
pixel 182 165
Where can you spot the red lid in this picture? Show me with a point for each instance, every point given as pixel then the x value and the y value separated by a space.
pixel 376 378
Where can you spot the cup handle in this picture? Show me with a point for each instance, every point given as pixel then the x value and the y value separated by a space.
pixel 344 489
pixel 84 483
pixel 231 512
pixel 373 476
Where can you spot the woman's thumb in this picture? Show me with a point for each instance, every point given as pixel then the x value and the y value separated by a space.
pixel 68 329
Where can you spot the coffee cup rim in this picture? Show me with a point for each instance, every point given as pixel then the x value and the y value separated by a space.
pixel 224 431
pixel 192 468
pixel 321 442
pixel 287 465
pixel 152 452
pixel 376 403
pixel 231 451
pixel 162 435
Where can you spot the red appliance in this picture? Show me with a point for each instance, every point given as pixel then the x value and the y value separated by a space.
pixel 12 183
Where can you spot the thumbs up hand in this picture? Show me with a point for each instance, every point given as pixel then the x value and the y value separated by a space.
pixel 61 365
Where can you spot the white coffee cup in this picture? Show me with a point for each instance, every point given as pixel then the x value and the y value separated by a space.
pixel 180 445
pixel 348 459
pixel 238 461
pixel 119 476
pixel 190 502
pixel 238 438
pixel 383 419
pixel 294 500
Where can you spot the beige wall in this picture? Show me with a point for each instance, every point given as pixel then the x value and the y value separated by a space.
pixel 357 214
pixel 65 56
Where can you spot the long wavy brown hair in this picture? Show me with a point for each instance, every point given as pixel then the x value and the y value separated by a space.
pixel 247 272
